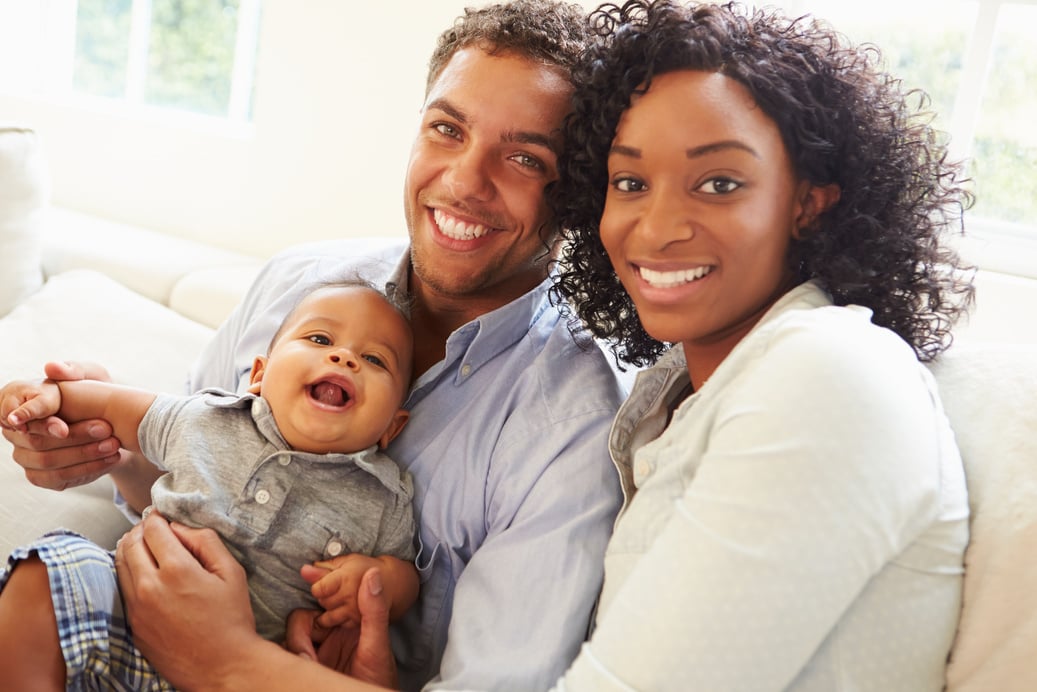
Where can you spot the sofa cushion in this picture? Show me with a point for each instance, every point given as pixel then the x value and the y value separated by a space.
pixel 990 395
pixel 84 315
pixel 24 193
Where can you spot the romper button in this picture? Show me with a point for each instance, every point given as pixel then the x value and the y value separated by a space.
pixel 262 497
pixel 284 460
pixel 465 370
pixel 334 548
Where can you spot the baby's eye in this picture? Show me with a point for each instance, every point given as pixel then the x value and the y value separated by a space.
pixel 320 339
pixel 719 186
pixel 629 185
pixel 371 358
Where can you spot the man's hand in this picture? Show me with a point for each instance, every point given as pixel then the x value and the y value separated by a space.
pixel 363 653
pixel 186 600
pixel 59 456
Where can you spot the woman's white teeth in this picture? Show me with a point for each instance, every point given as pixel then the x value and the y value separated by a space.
pixel 455 228
pixel 670 279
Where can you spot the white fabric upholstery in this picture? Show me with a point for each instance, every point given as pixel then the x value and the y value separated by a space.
pixel 24 193
pixel 990 394
pixel 85 315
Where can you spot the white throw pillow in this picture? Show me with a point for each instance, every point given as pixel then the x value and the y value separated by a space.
pixel 990 394
pixel 24 193
pixel 84 315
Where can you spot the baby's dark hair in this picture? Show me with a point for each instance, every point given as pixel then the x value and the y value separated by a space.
pixel 545 31
pixel 399 300
pixel 842 120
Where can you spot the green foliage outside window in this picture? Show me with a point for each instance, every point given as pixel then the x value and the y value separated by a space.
pixel 102 47
pixel 1005 149
pixel 191 59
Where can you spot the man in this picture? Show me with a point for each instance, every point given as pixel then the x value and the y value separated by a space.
pixel 509 414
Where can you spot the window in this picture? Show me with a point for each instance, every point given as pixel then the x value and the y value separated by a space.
pixel 195 56
pixel 977 62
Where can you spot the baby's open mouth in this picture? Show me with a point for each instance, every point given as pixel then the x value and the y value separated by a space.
pixel 329 393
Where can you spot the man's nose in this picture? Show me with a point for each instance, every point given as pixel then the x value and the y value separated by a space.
pixel 468 175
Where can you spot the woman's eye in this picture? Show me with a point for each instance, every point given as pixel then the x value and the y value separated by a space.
pixel 719 186
pixel 371 358
pixel 320 339
pixel 629 185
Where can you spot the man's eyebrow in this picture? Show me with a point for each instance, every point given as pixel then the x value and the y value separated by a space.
pixel 692 153
pixel 535 138
pixel 448 108
pixel 518 137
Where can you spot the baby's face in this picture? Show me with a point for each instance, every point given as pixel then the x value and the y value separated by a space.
pixel 337 375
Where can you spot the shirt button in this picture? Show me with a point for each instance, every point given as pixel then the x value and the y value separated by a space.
pixel 465 370
pixel 262 497
pixel 284 460
pixel 334 548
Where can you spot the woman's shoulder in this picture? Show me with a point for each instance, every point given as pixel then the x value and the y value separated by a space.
pixel 832 346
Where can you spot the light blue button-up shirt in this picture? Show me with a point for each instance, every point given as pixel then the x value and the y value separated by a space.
pixel 514 490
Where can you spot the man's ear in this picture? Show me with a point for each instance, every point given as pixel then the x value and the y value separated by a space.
pixel 399 420
pixel 255 377
pixel 815 201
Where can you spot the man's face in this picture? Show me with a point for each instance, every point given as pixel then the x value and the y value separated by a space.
pixel 474 194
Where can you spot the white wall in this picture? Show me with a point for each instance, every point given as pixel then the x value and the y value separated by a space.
pixel 338 92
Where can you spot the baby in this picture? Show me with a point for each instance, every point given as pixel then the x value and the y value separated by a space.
pixel 290 475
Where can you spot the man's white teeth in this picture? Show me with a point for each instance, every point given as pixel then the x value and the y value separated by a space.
pixel 671 279
pixel 457 229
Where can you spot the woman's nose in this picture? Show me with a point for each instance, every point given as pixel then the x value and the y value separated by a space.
pixel 666 219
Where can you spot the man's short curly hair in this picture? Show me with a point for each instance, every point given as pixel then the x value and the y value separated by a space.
pixel 546 31
pixel 843 121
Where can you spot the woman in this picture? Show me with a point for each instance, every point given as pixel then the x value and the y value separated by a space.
pixel 757 210
pixel 766 200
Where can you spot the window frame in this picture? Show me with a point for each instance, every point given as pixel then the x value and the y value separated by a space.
pixel 58 33
pixel 990 243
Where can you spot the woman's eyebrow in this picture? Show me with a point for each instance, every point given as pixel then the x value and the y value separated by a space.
pixel 694 152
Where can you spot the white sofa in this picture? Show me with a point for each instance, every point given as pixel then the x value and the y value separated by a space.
pixel 144 304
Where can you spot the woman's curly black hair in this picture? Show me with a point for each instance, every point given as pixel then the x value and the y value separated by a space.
pixel 843 121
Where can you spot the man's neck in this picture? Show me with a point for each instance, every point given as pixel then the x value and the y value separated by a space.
pixel 434 317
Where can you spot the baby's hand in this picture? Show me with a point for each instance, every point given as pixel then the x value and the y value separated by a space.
pixel 334 583
pixel 23 401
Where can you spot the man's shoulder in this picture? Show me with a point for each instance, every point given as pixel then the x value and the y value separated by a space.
pixel 374 247
pixel 297 269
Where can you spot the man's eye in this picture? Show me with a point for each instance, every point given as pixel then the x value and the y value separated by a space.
pixel 629 185
pixel 719 186
pixel 447 129
pixel 320 339
pixel 371 358
pixel 527 161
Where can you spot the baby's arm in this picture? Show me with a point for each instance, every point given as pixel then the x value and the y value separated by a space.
pixel 334 583
pixel 123 407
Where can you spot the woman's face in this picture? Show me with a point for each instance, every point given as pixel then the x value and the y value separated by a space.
pixel 701 206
